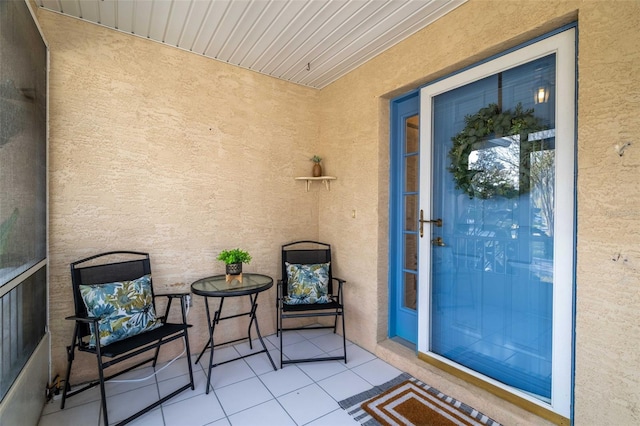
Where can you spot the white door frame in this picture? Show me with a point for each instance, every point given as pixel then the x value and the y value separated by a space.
pixel 563 45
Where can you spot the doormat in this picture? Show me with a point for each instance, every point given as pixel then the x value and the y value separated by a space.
pixel 407 401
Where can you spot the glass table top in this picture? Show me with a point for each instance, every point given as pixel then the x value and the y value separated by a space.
pixel 218 286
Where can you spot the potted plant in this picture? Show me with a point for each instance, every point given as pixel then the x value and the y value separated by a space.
pixel 317 167
pixel 233 259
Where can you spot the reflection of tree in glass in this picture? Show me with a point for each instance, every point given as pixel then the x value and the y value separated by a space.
pixel 490 156
pixel 502 171
pixel 497 170
pixel 543 179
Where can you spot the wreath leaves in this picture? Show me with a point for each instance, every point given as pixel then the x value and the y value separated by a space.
pixel 488 122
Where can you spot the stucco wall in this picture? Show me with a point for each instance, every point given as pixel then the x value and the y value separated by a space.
pixel 608 270
pixel 354 131
pixel 156 149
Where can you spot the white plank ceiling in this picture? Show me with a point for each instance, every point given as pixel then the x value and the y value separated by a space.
pixel 308 42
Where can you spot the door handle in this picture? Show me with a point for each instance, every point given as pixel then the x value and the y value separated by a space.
pixel 437 222
pixel 438 242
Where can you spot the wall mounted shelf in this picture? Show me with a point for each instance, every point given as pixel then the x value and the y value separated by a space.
pixel 324 179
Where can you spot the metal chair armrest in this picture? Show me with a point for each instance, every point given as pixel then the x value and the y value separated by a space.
pixel 86 320
pixel 340 282
pixel 172 296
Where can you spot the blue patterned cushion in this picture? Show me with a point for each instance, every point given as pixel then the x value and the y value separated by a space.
pixel 124 308
pixel 307 283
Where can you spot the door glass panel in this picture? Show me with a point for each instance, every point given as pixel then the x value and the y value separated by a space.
pixel 411 212
pixel 411 164
pixel 492 280
pixel 410 290
pixel 411 173
pixel 411 252
pixel 412 131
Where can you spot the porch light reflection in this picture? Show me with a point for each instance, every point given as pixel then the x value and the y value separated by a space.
pixel 541 94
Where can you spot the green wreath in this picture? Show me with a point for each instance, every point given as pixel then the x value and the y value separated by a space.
pixel 489 122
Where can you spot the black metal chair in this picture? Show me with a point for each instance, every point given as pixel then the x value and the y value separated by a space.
pixel 310 259
pixel 128 273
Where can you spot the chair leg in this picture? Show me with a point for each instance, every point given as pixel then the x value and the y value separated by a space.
pixel 281 348
pixel 278 317
pixel 186 342
pixel 279 331
pixel 344 337
pixel 103 393
pixel 281 337
pixel 155 357
pixel 70 357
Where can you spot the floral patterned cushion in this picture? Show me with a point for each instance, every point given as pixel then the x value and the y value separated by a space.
pixel 307 283
pixel 124 308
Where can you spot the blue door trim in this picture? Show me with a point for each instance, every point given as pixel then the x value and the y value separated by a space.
pixel 401 108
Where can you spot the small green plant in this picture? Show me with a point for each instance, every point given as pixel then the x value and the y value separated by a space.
pixel 316 159
pixel 235 255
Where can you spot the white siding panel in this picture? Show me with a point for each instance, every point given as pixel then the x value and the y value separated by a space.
pixel 248 51
pixel 210 25
pixel 194 23
pixel 237 40
pixel 125 17
pixel 177 21
pixel 309 42
pixel 107 10
pixel 231 21
pixel 159 19
pixel 141 18
pixel 70 7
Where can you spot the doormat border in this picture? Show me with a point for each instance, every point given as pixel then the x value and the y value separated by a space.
pixel 353 404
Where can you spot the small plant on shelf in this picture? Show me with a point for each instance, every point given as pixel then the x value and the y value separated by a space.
pixel 317 167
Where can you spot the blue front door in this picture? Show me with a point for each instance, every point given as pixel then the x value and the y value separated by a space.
pixel 497 221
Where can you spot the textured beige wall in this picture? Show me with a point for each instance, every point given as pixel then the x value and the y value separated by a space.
pixel 146 141
pixel 608 270
pixel 160 150
pixel 354 134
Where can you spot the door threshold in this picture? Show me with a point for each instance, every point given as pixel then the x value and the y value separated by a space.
pixel 404 342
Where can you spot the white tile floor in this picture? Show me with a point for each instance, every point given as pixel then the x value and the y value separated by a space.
pixel 245 392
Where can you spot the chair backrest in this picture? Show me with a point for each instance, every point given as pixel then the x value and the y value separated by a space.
pixel 305 253
pixel 104 268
